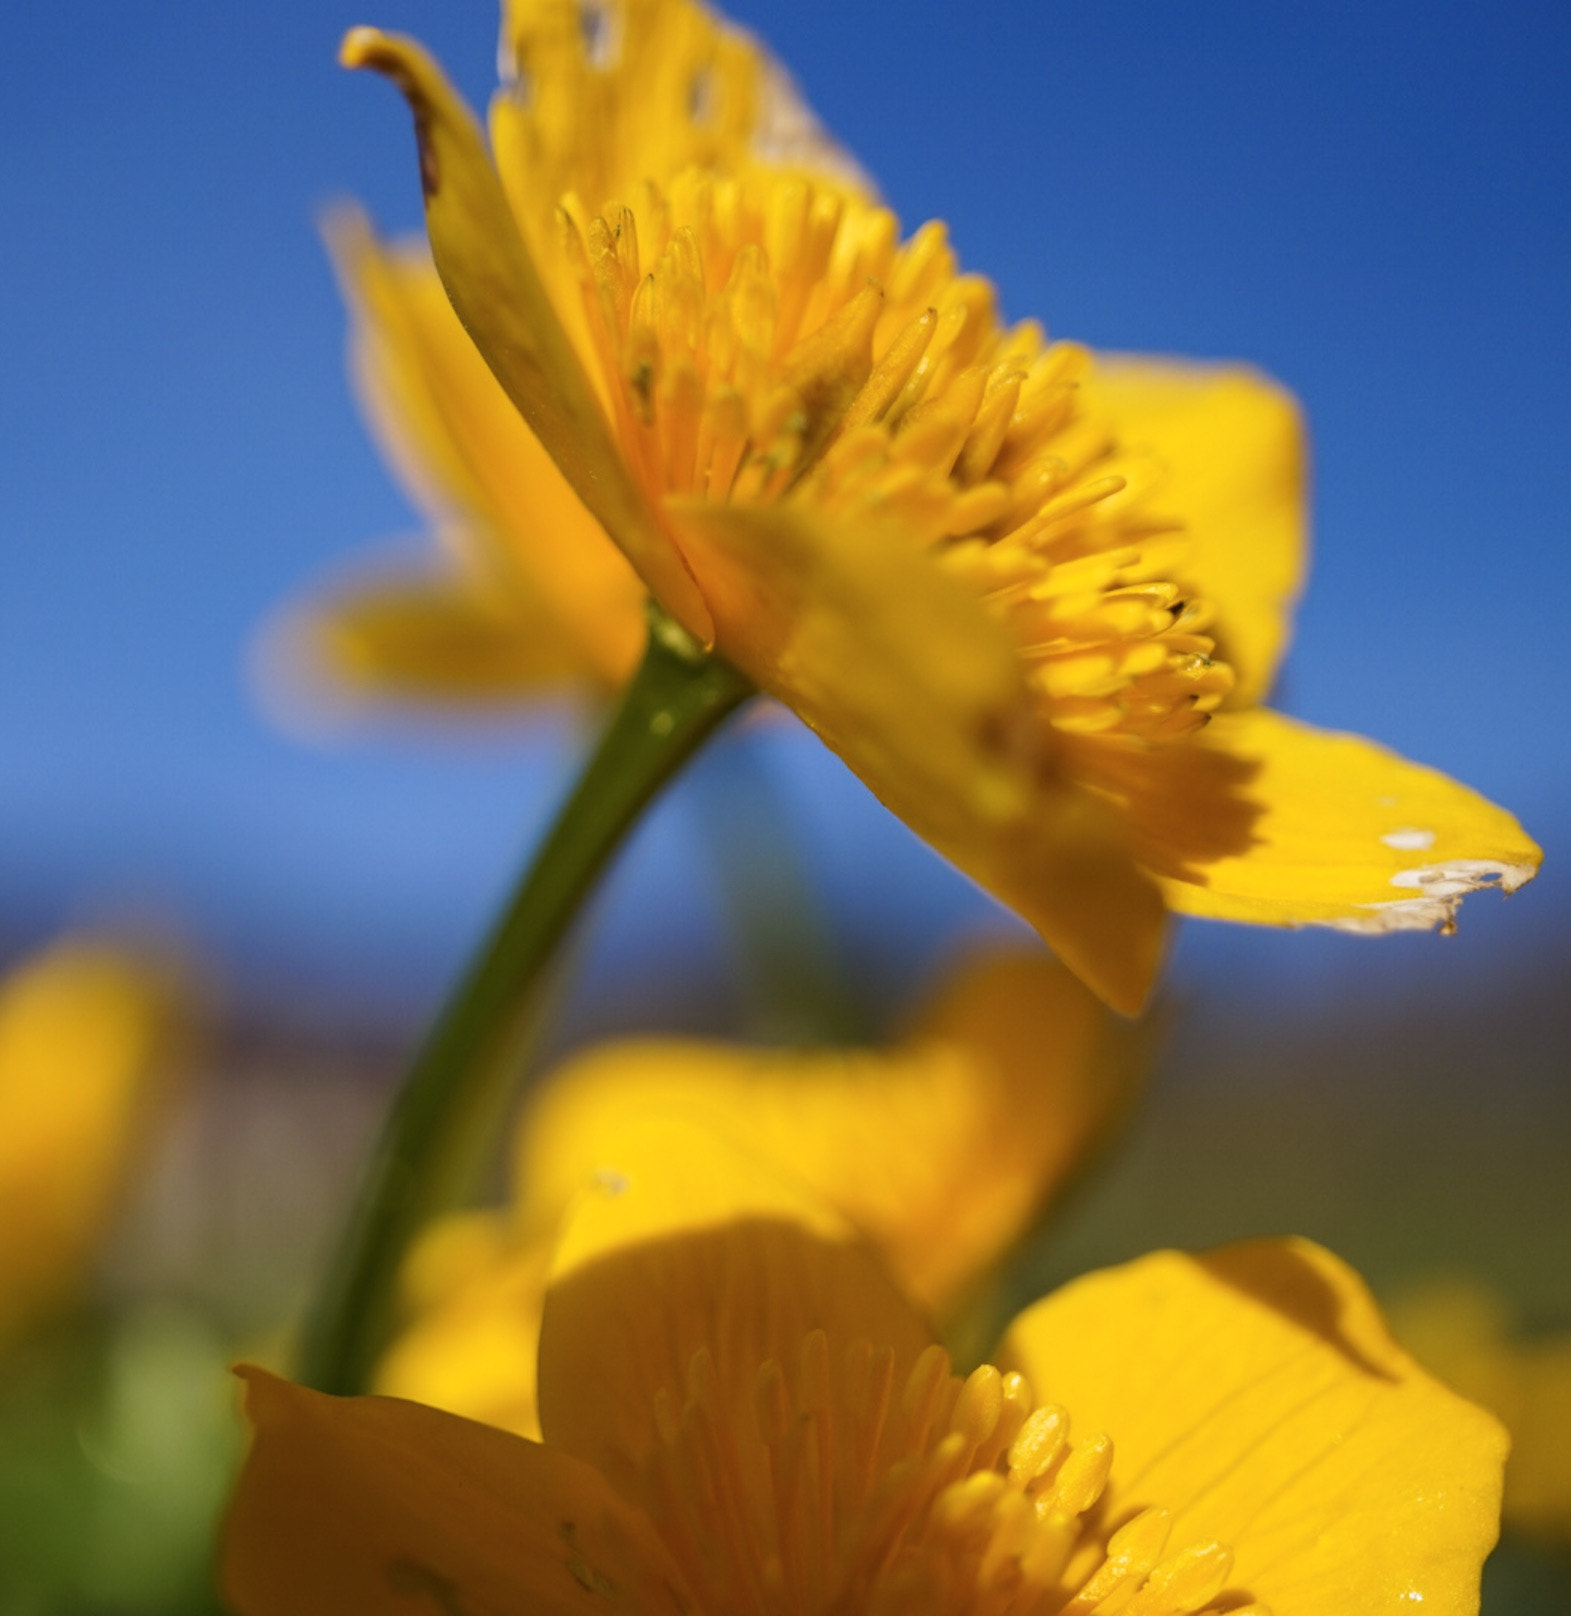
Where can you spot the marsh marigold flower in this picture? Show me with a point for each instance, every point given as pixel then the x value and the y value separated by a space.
pixel 742 1413
pixel 942 541
pixel 940 1150
pixel 84 1035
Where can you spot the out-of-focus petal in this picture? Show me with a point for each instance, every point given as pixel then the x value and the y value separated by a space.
pixel 498 295
pixel 1269 820
pixel 475 1290
pixel 494 495
pixel 903 672
pixel 1255 1394
pixel 940 1150
pixel 684 1245
pixel 1465 1333
pixel 374 1505
pixel 595 102
pixel 84 1032
pixel 1232 444
pixel 423 638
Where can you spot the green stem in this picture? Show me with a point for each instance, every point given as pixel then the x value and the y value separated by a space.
pixel 463 1077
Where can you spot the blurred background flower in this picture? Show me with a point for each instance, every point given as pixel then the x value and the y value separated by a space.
pixel 1366 202
pixel 941 1149
pixel 86 1035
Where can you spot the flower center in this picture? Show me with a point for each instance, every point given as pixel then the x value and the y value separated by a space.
pixel 838 1491
pixel 769 337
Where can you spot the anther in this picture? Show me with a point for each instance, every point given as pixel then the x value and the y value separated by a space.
pixel 1038 1445
pixel 979 1405
pixel 1083 1475
pixel 1186 1582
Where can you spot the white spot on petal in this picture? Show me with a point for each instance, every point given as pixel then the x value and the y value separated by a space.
pixel 1409 840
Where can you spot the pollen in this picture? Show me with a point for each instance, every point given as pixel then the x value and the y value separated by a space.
pixel 766 336
pixel 840 1487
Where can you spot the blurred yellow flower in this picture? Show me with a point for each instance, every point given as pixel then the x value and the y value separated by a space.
pixel 1463 1331
pixel 939 1150
pixel 945 543
pixel 84 1029
pixel 742 1413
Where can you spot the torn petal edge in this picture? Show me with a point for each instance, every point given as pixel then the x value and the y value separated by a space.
pixel 1442 888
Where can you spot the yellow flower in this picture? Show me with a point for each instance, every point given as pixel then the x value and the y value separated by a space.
pixel 928 533
pixel 939 1151
pixel 742 1413
pixel 83 1028
pixel 531 592
pixel 1463 1332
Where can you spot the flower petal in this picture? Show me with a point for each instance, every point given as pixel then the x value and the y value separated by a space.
pixel 86 1035
pixel 1465 1332
pixel 1232 444
pixel 636 90
pixel 372 1505
pixel 684 1243
pixel 472 1344
pixel 1255 1393
pixel 420 637
pixel 939 1150
pixel 901 670
pixel 1268 820
pixel 498 295
pixel 511 519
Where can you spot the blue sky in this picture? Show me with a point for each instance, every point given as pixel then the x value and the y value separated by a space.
pixel 1367 199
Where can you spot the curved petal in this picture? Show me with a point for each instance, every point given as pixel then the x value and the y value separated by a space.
pixel 472 1344
pixel 498 295
pixel 492 491
pixel 372 1505
pixel 1268 820
pixel 939 1150
pixel 1232 443
pixel 1255 1393
pixel 639 90
pixel 421 637
pixel 901 670
pixel 685 1245
pixel 1049 1075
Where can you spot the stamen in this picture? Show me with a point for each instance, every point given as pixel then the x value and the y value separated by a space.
pixel 767 338
pixel 958 1498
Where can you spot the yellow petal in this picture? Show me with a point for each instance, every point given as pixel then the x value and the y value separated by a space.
pixel 1268 820
pixel 901 670
pixel 509 517
pixel 498 295
pixel 1463 1331
pixel 472 1344
pixel 684 1244
pixel 633 90
pixel 939 1150
pixel 1255 1394
pixel 1049 1075
pixel 371 1505
pixel 1232 444
pixel 84 1029
pixel 425 639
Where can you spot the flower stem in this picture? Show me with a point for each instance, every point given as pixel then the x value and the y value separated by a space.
pixel 455 1096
